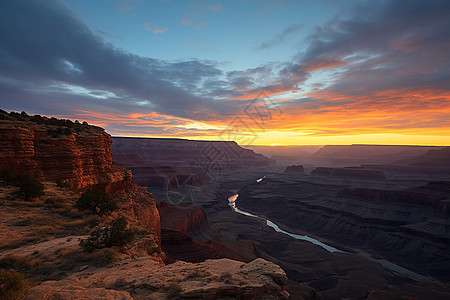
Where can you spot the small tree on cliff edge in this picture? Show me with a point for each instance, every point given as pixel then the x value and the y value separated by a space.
pixel 98 202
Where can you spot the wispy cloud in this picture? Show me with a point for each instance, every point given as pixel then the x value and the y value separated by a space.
pixel 154 29
pixel 198 8
pixel 280 37
pixel 125 6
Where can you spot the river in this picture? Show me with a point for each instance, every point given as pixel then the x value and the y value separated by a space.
pixel 384 263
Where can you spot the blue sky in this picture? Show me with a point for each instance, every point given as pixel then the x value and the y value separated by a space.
pixel 269 71
pixel 235 34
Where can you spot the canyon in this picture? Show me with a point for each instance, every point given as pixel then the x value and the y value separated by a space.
pixel 390 214
pixel 70 158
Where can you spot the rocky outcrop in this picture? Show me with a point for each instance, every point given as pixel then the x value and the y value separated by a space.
pixel 79 155
pixel 70 289
pixel 294 169
pixel 78 158
pixel 179 226
pixel 350 172
pixel 139 205
pixel 143 278
pixel 186 218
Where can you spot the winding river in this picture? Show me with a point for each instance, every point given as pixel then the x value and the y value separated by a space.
pixel 384 263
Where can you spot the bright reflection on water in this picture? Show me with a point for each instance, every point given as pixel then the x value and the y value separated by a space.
pixel 260 179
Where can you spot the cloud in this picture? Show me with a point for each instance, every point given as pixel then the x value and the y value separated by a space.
pixel 154 29
pixel 125 6
pixel 199 8
pixel 395 45
pixel 202 7
pixel 65 52
pixel 386 69
pixel 279 38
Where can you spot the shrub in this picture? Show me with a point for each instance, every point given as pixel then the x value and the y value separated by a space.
pixel 115 234
pixel 104 257
pixel 7 176
pixel 12 285
pixel 62 183
pixel 30 187
pixel 98 202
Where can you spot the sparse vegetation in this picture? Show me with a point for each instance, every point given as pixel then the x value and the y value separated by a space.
pixel 30 187
pixel 97 202
pixel 7 176
pixel 64 126
pixel 60 131
pixel 12 285
pixel 39 267
pixel 104 257
pixel 115 234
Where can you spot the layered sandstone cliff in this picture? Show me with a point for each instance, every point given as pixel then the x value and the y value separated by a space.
pixel 79 155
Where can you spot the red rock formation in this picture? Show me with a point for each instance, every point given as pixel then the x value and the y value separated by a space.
pixel 178 222
pixel 187 218
pixel 80 155
pixel 139 205
pixel 80 159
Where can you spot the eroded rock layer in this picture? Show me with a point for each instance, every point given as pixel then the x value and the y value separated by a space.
pixel 142 278
pixel 78 158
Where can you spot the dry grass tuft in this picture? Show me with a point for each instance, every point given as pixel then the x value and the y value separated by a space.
pixel 12 285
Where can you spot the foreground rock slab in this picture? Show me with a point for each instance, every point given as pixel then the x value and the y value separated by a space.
pixel 145 278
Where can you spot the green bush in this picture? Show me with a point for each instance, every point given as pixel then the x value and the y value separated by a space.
pixel 12 285
pixel 115 234
pixel 97 202
pixel 30 187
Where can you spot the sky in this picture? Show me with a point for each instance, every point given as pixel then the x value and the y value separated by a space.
pixel 260 72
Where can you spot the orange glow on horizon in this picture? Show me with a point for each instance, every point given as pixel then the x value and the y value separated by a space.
pixel 390 117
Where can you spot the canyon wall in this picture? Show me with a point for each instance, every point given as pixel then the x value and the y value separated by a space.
pixel 159 163
pixel 359 154
pixel 78 156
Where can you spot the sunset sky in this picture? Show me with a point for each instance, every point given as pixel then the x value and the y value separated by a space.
pixel 300 72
